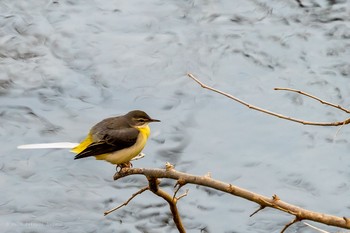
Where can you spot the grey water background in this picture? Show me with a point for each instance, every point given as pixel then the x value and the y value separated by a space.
pixel 65 65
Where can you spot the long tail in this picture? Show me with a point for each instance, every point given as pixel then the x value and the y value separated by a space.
pixel 55 145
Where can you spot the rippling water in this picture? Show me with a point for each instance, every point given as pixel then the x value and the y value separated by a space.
pixel 65 65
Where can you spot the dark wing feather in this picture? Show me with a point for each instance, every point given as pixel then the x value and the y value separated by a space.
pixel 112 140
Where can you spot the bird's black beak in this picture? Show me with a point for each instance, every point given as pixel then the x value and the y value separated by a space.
pixel 154 120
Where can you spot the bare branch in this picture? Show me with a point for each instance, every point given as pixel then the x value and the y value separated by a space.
pixel 337 123
pixel 127 202
pixel 154 187
pixel 273 202
pixel 313 97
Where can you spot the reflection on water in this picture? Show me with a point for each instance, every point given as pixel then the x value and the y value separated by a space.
pixel 68 64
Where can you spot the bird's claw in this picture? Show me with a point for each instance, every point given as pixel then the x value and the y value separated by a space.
pixel 123 165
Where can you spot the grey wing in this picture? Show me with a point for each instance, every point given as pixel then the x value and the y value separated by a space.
pixel 111 140
pixel 114 124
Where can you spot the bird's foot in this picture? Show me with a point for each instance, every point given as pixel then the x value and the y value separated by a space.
pixel 123 165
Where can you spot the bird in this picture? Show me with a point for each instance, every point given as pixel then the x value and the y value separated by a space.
pixel 116 139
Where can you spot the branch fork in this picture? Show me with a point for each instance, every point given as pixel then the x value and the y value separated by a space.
pixel 154 175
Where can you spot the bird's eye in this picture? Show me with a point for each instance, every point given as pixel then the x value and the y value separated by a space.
pixel 142 120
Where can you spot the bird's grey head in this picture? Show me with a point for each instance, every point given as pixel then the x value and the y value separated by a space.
pixel 138 118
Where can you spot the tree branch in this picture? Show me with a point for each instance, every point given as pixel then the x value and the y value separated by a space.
pixel 127 202
pixel 312 97
pixel 154 187
pixel 337 123
pixel 263 201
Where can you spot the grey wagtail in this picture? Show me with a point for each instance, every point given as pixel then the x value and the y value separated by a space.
pixel 117 139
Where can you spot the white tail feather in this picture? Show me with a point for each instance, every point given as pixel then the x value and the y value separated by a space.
pixel 55 145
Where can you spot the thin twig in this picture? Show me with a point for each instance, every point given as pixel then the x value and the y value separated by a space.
pixel 338 130
pixel 176 190
pixel 312 97
pixel 289 224
pixel 127 202
pixel 346 121
pixel 256 211
pixel 182 195
pixel 178 185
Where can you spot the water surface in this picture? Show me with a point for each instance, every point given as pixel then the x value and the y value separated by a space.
pixel 65 65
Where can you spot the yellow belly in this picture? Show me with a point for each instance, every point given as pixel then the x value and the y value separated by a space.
pixel 127 154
